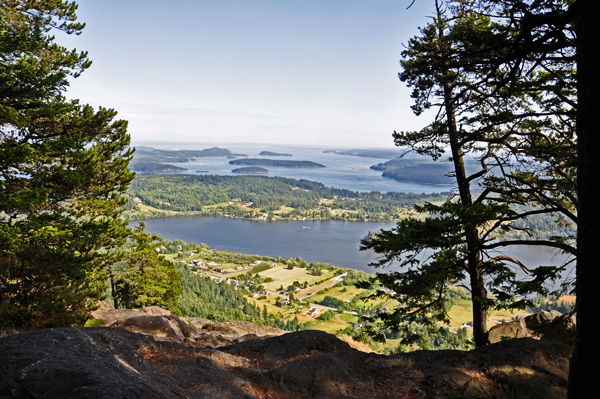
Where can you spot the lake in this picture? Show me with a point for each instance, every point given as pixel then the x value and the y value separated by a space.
pixel 331 241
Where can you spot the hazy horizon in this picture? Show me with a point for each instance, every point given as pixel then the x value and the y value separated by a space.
pixel 186 145
pixel 259 71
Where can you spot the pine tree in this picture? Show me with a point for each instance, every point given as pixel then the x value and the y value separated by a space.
pixel 452 66
pixel 63 173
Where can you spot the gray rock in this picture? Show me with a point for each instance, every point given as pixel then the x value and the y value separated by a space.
pixel 512 329
pixel 115 363
pixel 543 317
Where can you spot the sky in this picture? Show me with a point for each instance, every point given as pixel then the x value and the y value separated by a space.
pixel 304 72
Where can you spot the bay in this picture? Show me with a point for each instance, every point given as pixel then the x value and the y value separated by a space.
pixel 340 171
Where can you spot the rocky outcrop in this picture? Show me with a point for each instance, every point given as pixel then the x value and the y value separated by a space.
pixel 114 363
pixel 161 325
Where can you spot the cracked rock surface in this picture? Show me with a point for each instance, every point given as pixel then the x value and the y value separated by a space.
pixel 105 362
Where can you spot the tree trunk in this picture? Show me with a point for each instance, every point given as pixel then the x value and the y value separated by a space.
pixel 478 291
pixel 583 372
pixel 113 288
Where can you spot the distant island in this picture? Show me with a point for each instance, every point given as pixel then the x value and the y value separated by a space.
pixel 276 162
pixel 149 154
pixel 274 154
pixel 155 167
pixel 250 169
pixel 426 173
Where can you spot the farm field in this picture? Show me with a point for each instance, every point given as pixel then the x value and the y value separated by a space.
pixel 462 312
pixel 282 276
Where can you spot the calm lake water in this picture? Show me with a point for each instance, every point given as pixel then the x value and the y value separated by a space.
pixel 331 241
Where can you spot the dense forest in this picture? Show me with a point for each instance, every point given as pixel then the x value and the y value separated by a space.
pixel 276 162
pixel 193 193
pixel 202 297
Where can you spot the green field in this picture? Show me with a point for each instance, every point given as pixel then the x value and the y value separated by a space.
pixel 462 312
pixel 282 276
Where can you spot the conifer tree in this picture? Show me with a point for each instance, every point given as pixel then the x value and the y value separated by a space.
pixel 145 277
pixel 453 66
pixel 63 173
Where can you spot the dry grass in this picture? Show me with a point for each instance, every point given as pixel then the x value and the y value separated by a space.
pixel 491 387
pixel 557 367
pixel 163 357
pixel 355 344
pixel 7 333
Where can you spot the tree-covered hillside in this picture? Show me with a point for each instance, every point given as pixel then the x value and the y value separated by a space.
pixel 192 193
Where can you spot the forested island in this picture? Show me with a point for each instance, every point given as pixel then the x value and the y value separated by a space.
pixel 274 154
pixel 276 162
pixel 149 154
pixel 250 169
pixel 422 171
pixel 261 197
pixel 155 167
pixel 427 173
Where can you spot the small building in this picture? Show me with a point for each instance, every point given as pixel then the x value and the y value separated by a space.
pixel 220 270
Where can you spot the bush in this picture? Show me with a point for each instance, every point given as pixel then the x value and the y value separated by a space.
pixel 328 315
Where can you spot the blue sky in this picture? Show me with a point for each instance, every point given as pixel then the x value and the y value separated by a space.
pixel 255 71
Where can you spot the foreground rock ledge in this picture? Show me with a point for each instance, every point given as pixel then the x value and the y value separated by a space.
pixel 114 363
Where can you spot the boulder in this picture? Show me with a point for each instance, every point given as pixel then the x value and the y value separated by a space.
pixel 540 318
pixel 512 329
pixel 236 329
pixel 156 311
pixel 561 329
pixel 160 324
